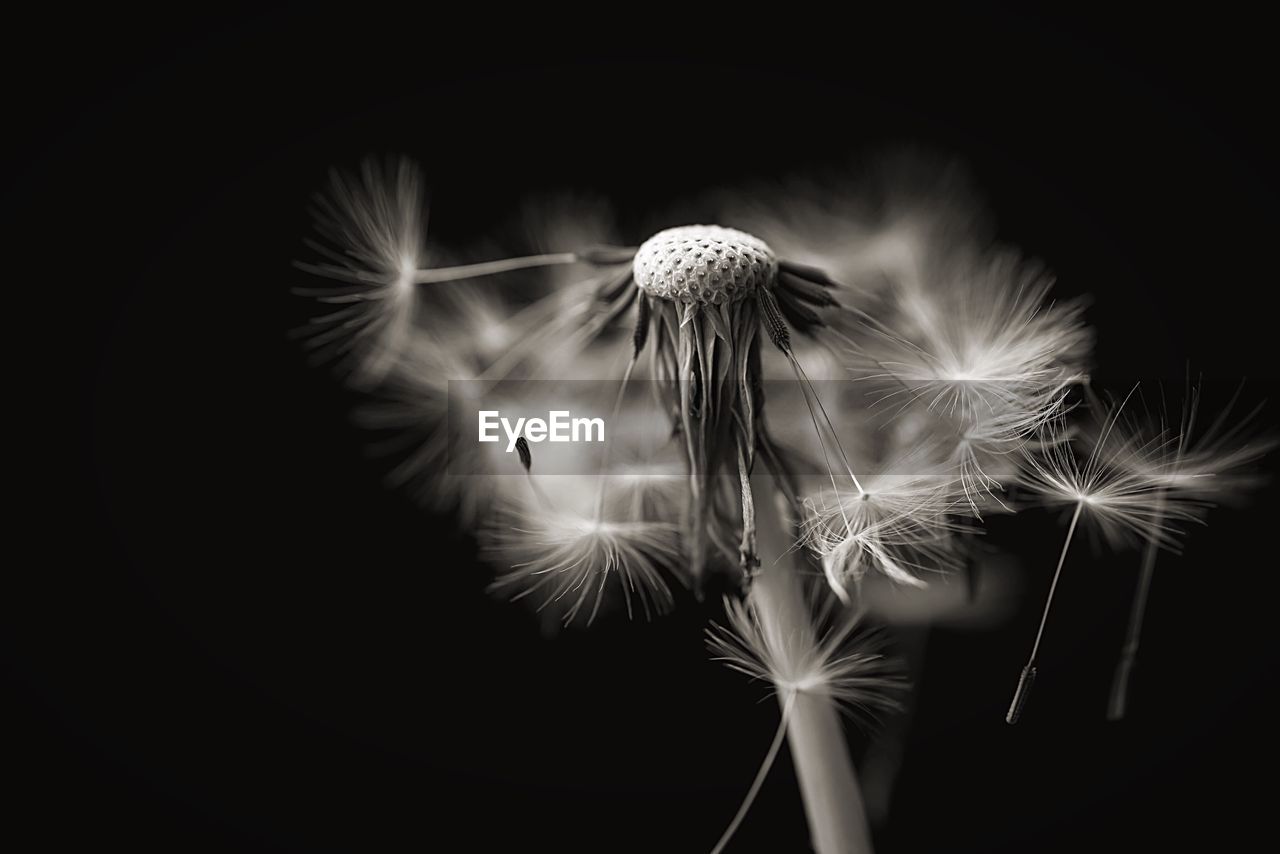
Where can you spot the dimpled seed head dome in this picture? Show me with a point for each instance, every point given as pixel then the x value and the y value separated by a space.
pixel 704 264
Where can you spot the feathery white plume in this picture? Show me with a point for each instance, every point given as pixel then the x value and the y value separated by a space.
pixel 571 557
pixel 1210 465
pixel 841 661
pixel 1113 482
pixel 899 525
pixel 1115 475
pixel 1205 467
pixel 975 343
pixel 374 225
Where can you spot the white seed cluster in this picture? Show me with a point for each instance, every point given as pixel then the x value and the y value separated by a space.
pixel 704 264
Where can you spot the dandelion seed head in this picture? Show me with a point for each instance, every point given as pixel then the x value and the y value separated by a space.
pixel 703 264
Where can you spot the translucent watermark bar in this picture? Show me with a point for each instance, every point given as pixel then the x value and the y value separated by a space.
pixel 589 427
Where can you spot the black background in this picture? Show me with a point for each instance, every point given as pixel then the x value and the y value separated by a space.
pixel 230 636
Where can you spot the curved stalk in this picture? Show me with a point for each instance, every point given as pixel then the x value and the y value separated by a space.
pixel 765 765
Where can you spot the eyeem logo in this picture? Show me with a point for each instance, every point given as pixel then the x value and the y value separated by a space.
pixel 558 427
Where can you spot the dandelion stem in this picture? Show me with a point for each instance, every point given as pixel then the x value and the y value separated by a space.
pixel 765 765
pixel 828 785
pixel 1029 671
pixel 1118 703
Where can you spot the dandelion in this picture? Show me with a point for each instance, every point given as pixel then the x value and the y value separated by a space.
pixel 984 336
pixel 373 230
pixel 1114 489
pixel 969 365
pixel 710 290
pixel 702 292
pixel 1205 467
pixel 899 525
pixel 1114 483
pixel 701 301
pixel 976 343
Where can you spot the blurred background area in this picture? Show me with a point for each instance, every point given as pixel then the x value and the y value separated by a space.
pixel 232 636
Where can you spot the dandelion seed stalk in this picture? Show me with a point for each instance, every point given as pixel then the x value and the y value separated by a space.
pixel 1029 670
pixel 1118 701
pixel 765 765
pixel 491 268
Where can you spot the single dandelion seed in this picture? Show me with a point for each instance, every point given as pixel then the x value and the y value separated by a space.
pixel 842 662
pixel 1113 488
pixel 1209 466
pixel 373 230
pixel 900 525
pixel 1112 471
